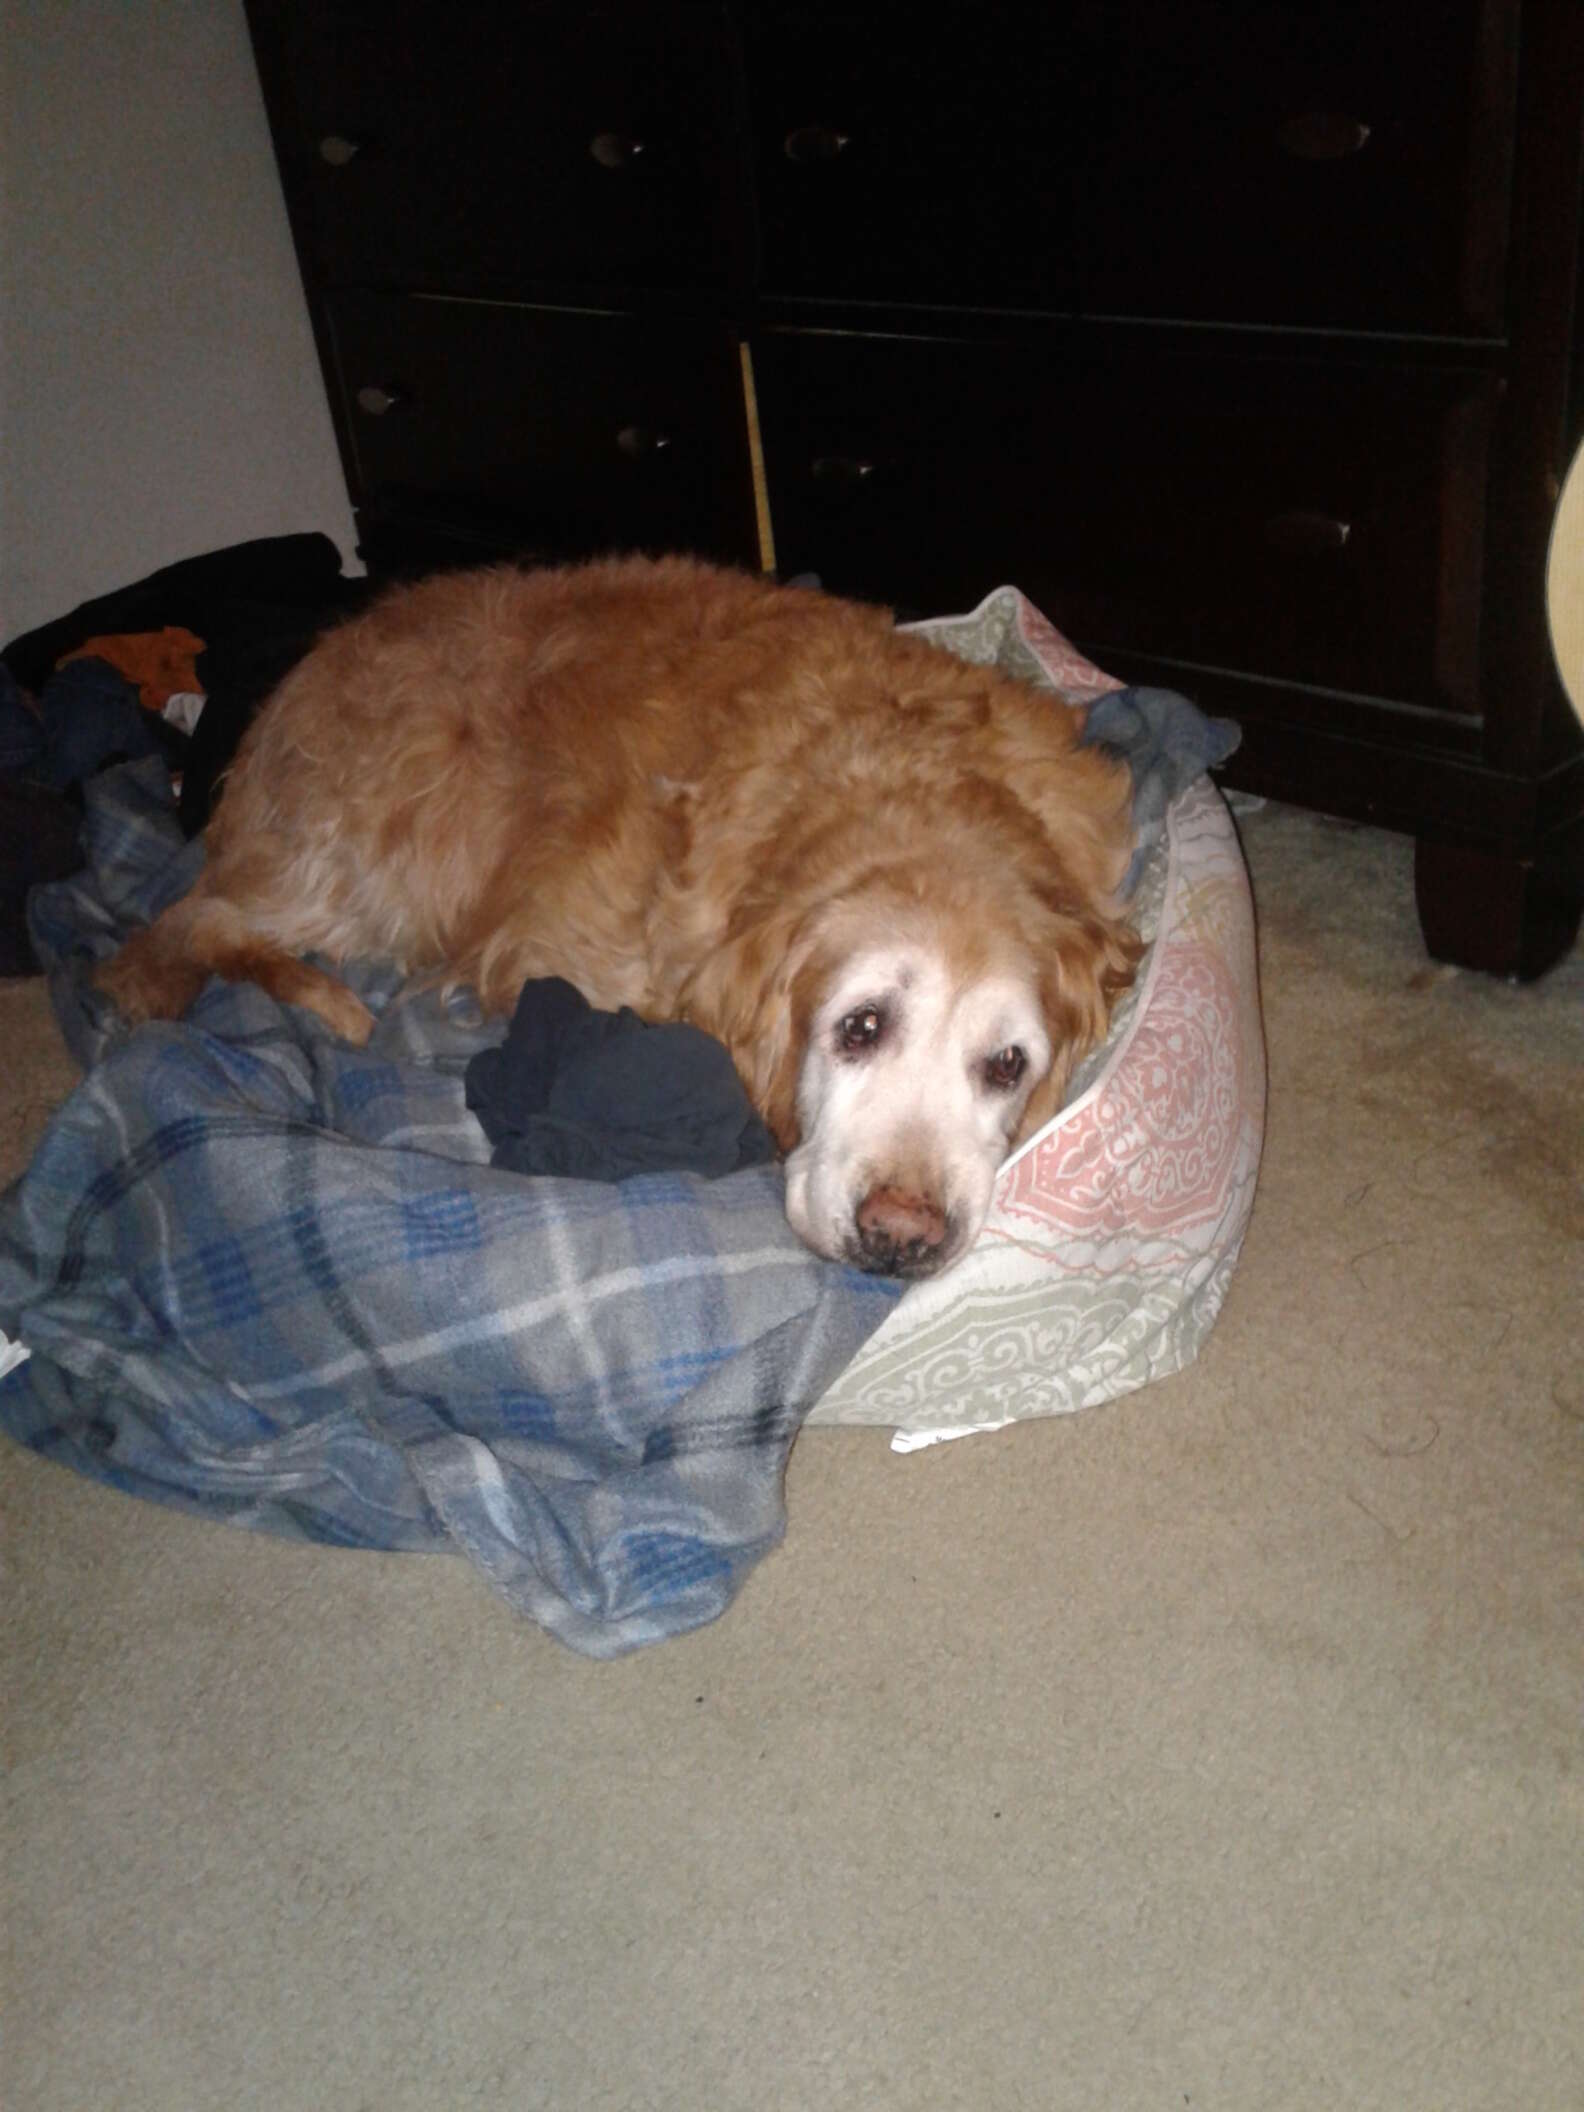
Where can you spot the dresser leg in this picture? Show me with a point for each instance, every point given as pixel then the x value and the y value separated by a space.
pixel 1507 916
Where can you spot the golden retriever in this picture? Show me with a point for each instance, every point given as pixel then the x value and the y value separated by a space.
pixel 884 878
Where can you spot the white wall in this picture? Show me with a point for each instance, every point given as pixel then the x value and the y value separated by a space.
pixel 159 394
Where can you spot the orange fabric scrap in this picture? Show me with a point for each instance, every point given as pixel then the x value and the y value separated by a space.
pixel 161 663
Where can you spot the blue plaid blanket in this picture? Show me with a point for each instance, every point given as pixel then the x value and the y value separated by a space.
pixel 269 1278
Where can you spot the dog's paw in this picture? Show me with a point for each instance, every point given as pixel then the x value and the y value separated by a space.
pixel 344 1013
pixel 141 983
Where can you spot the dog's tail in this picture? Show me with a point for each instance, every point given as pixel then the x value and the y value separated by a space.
pixel 161 969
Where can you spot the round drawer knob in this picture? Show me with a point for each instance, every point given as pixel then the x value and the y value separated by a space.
pixel 636 441
pixel 815 143
pixel 1322 135
pixel 1304 533
pixel 338 150
pixel 376 401
pixel 615 150
pixel 840 472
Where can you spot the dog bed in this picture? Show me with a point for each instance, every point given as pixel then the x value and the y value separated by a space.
pixel 263 1276
pixel 1113 1233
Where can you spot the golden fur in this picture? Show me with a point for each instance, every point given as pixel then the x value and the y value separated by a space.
pixel 682 788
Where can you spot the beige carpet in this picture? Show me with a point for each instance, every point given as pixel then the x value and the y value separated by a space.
pixel 1219 1748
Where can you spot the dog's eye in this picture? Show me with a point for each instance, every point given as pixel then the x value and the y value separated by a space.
pixel 861 1029
pixel 1005 1068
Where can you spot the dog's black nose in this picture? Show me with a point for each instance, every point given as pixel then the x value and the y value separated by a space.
pixel 900 1233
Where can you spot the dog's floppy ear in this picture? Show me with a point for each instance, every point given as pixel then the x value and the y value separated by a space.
pixel 756 993
pixel 1087 963
pixel 1081 799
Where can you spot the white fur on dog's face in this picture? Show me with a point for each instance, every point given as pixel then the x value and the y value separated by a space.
pixel 912 1086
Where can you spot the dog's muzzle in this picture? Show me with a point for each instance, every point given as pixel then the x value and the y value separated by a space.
pixel 900 1233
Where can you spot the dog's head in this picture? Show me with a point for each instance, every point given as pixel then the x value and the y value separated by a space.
pixel 900 1039
pixel 927 1053
pixel 905 927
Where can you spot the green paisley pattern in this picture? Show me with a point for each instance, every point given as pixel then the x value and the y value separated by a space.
pixel 1113 1233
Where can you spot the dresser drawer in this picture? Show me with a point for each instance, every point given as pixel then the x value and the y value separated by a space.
pixel 1313 524
pixel 1338 163
pixel 584 431
pixel 492 147
pixel 903 155
pixel 1328 162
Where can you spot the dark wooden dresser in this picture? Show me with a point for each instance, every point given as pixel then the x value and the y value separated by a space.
pixel 1240 334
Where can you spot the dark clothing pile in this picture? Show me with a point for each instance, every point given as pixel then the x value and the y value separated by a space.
pixel 254 609
pixel 601 1096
